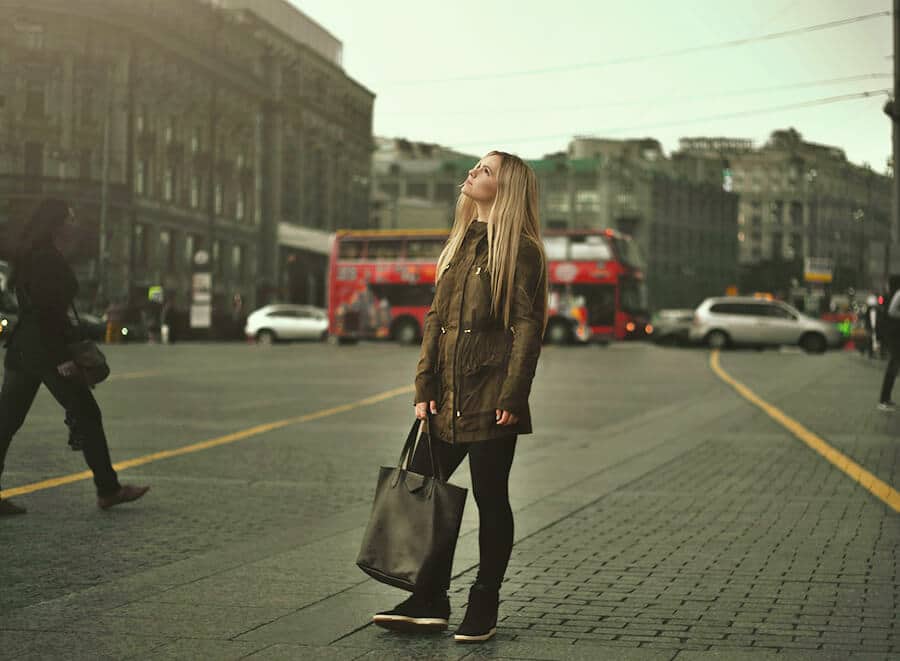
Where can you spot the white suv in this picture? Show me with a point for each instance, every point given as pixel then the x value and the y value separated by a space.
pixel 735 320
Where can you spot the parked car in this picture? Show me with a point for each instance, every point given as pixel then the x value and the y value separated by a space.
pixel 672 326
pixel 286 322
pixel 732 321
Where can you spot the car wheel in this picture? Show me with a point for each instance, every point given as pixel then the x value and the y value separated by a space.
pixel 265 336
pixel 813 343
pixel 559 332
pixel 406 332
pixel 324 336
pixel 717 339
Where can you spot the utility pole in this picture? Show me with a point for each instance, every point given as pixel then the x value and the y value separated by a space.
pixel 104 187
pixel 892 109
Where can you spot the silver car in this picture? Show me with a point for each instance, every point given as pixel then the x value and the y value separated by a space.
pixel 722 322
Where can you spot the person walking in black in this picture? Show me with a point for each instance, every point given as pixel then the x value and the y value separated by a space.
pixel 480 347
pixel 891 333
pixel 36 352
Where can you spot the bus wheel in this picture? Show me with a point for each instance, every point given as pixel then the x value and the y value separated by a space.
pixel 406 332
pixel 559 332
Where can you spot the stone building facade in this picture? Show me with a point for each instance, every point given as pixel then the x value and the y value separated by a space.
pixel 798 200
pixel 216 125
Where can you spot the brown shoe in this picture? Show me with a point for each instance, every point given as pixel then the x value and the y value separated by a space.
pixel 124 495
pixel 8 508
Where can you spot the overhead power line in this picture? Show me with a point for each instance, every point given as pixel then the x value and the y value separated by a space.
pixel 733 43
pixel 684 122
pixel 656 101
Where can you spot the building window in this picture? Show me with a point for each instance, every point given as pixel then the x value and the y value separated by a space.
pixel 34 102
pixel 87 105
pixel 139 246
pixel 33 36
pixel 34 160
pixel 417 189
pixel 189 249
pixel 558 202
pixel 139 121
pixel 237 261
pixel 166 250
pixel 796 213
pixel 587 200
pixel 239 206
pixel 84 164
pixel 446 192
pixel 219 198
pixel 195 191
pixel 195 140
pixel 217 265
pixel 169 133
pixel 168 185
pixel 140 177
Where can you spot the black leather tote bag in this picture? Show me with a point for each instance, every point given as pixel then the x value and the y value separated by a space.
pixel 412 531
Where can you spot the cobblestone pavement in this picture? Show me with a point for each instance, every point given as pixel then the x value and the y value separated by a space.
pixel 659 515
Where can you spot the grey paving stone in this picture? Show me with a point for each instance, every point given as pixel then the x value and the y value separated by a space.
pixel 195 648
pixel 286 652
pixel 82 645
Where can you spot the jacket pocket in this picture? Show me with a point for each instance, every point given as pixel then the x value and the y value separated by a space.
pixel 483 350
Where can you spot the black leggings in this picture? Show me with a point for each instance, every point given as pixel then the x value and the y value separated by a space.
pixel 20 385
pixel 489 464
pixel 890 374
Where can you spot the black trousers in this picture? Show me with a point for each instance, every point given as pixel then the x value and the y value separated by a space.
pixel 890 374
pixel 489 465
pixel 20 385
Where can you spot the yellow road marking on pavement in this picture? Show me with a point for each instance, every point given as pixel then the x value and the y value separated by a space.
pixel 128 376
pixel 881 490
pixel 211 443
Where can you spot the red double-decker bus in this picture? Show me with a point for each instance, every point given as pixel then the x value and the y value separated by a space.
pixel 381 283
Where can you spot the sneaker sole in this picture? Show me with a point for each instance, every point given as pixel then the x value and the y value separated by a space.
pixel 409 624
pixel 461 638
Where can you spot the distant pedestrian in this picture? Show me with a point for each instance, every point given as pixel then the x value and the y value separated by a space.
pixel 873 347
pixel 37 351
pixel 891 335
pixel 480 347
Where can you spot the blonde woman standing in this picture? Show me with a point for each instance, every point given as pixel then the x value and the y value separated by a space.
pixel 480 347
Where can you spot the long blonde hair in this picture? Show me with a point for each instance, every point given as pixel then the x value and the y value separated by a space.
pixel 514 216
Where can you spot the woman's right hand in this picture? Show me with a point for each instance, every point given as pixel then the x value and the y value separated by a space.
pixel 67 369
pixel 422 410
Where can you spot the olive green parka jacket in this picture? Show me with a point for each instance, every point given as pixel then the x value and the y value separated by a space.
pixel 469 363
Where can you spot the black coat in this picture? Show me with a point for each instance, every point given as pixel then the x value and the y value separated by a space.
pixel 45 287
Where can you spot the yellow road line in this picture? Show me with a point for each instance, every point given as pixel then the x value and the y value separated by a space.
pixel 211 443
pixel 128 376
pixel 881 490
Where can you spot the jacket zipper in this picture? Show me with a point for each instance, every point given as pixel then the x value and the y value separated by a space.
pixel 459 330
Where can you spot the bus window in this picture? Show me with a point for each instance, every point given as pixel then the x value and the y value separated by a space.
pixel 385 249
pixel 591 248
pixel 350 249
pixel 633 295
pixel 429 249
pixel 629 253
pixel 555 247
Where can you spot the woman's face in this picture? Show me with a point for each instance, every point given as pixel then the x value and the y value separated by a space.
pixel 481 184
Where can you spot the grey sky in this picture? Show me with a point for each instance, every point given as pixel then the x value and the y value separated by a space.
pixel 392 46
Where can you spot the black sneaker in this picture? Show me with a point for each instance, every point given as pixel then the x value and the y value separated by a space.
pixel 480 622
pixel 416 614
